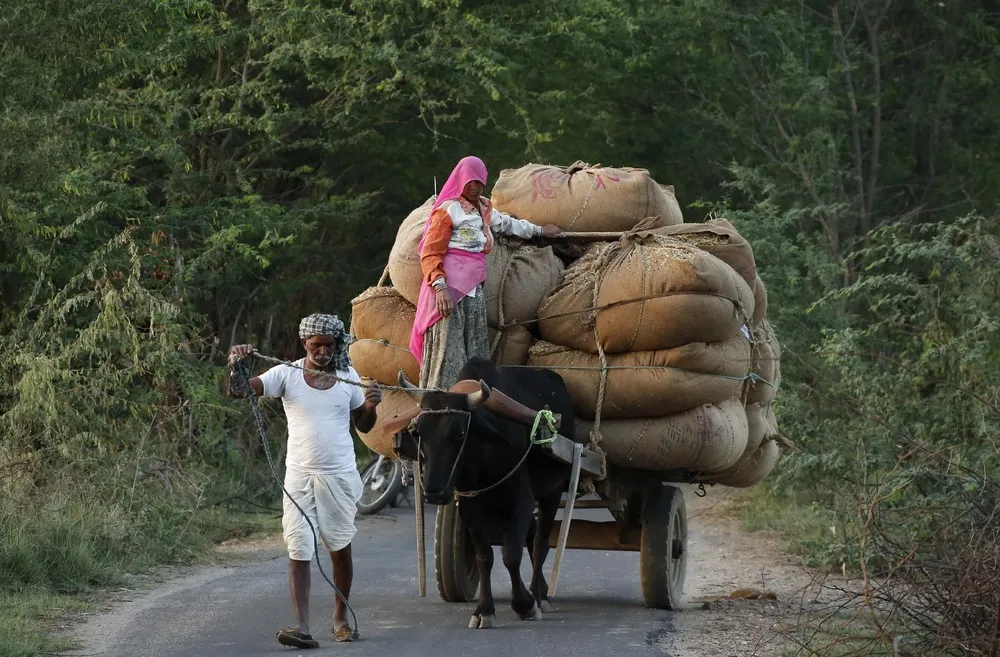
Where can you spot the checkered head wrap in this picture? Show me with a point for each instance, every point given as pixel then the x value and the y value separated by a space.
pixel 320 324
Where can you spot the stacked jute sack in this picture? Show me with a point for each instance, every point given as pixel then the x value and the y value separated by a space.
pixel 661 335
pixel 669 363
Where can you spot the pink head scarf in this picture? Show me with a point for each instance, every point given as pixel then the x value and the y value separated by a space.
pixel 469 168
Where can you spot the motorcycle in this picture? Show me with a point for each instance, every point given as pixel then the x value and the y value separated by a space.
pixel 382 484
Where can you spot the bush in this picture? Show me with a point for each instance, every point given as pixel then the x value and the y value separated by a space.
pixel 902 449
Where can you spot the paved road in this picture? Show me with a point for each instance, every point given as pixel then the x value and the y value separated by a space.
pixel 235 611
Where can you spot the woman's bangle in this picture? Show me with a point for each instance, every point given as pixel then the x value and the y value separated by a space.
pixel 439 284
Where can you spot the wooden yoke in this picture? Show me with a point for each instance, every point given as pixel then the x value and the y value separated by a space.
pixel 400 421
pixel 503 405
pixel 498 403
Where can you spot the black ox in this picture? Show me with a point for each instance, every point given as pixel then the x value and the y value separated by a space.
pixel 465 448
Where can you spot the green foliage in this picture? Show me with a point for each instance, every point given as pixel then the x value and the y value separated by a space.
pixel 177 177
pixel 915 366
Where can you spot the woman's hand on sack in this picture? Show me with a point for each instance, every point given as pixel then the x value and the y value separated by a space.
pixel 443 302
pixel 240 351
pixel 551 230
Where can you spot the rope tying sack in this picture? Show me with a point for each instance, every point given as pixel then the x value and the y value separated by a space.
pixel 501 325
pixel 580 166
pixel 608 259
pixel 602 385
pixel 645 292
pixel 382 342
pixel 752 377
pixel 738 306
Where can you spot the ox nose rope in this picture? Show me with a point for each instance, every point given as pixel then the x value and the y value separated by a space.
pixel 242 370
pixel 544 414
pixel 465 438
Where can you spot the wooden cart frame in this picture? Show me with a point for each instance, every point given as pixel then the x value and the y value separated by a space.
pixel 649 518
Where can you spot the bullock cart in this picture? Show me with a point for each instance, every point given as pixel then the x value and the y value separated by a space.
pixel 649 517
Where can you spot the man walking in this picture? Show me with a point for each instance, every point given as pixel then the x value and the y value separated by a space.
pixel 321 472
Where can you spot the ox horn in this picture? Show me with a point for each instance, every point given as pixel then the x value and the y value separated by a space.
pixel 480 396
pixel 410 389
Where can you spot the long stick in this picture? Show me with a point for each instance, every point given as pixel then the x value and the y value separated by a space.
pixel 592 237
pixel 574 480
pixel 418 498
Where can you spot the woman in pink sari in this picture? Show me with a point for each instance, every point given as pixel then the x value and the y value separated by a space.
pixel 450 325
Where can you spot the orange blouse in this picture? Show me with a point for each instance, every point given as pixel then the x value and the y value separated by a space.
pixel 435 245
pixel 462 226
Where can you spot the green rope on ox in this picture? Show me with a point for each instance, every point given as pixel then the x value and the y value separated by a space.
pixel 550 421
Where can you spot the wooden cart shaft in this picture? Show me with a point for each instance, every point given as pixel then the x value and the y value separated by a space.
pixel 561 448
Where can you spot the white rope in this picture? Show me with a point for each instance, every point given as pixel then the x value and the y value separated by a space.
pixel 329 375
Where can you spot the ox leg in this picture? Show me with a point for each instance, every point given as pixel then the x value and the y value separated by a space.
pixel 543 586
pixel 521 600
pixel 485 613
pixel 547 509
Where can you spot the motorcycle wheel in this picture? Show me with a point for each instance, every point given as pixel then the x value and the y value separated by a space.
pixel 381 481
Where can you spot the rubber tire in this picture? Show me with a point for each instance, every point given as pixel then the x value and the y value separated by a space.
pixel 455 566
pixel 663 548
pixel 390 494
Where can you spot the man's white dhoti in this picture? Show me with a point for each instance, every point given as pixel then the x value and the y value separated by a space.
pixel 330 501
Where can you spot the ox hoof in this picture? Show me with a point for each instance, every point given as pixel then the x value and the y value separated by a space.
pixel 481 622
pixel 533 615
pixel 546 606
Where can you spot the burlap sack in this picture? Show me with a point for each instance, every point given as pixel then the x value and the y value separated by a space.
pixel 393 403
pixel 404 261
pixel 719 238
pixel 706 438
pixel 381 321
pixel 584 198
pixel 652 292
pixel 649 383
pixel 766 364
pixel 512 347
pixel 519 275
pixel 761 424
pixel 375 359
pixel 759 303
pixel 760 464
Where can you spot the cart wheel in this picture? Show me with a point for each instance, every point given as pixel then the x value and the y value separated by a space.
pixel 454 557
pixel 663 555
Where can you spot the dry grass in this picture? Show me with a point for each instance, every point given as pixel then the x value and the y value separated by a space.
pixel 927 577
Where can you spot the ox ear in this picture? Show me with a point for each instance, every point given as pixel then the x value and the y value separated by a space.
pixel 410 389
pixel 480 396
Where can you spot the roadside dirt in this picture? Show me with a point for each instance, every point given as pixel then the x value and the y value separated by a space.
pixel 727 566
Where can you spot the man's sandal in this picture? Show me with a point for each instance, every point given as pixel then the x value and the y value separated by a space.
pixel 292 636
pixel 344 634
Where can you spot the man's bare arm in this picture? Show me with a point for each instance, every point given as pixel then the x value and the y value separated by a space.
pixel 365 415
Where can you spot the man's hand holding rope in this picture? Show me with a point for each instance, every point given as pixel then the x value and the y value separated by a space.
pixel 364 418
pixel 239 359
